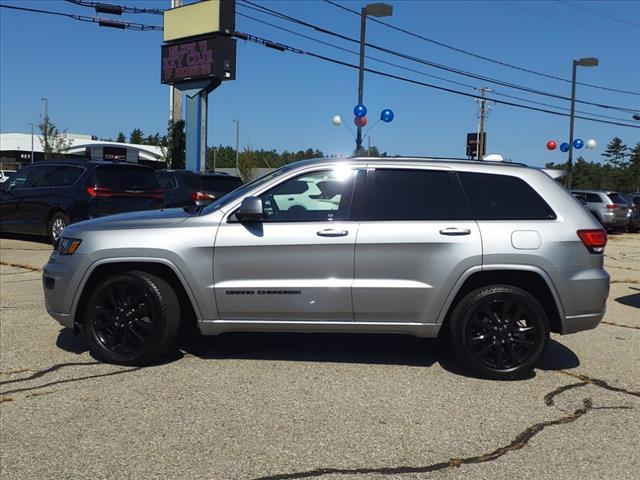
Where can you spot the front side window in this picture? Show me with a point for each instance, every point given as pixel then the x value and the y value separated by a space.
pixel 19 180
pixel 415 194
pixel 317 196
pixel 503 197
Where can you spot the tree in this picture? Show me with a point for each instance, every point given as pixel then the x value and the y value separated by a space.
pixel 136 136
pixel 175 144
pixel 616 152
pixel 53 141
pixel 247 165
pixel 121 138
pixel 634 168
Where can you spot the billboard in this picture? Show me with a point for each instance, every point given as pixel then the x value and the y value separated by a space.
pixel 199 18
pixel 198 59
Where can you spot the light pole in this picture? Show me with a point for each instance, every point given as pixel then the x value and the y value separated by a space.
pixel 45 123
pixel 374 10
pixel 31 141
pixel 237 122
pixel 583 62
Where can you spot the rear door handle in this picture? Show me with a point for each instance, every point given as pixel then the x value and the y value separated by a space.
pixel 332 232
pixel 454 231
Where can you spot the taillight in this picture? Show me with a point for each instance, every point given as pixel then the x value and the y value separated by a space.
pixel 103 192
pixel 594 240
pixel 202 196
pixel 612 206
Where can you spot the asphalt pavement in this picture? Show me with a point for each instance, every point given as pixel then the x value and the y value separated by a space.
pixel 284 406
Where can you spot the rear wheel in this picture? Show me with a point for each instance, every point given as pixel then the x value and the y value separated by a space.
pixel 58 222
pixel 131 318
pixel 499 332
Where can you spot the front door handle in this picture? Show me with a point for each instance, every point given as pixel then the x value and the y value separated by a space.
pixel 332 232
pixel 454 231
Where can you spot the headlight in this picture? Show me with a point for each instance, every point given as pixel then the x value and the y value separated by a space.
pixel 68 246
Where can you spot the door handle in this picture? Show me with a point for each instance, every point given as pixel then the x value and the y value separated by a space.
pixel 332 232
pixel 454 231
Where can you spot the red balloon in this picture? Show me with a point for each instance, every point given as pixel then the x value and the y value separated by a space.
pixel 551 145
pixel 362 121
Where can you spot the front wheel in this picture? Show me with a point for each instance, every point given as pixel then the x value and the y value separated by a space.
pixel 56 225
pixel 499 332
pixel 131 318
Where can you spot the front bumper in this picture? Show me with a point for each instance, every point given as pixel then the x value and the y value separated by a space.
pixel 58 282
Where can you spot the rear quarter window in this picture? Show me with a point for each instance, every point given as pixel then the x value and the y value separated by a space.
pixel 503 197
pixel 124 178
pixel 617 198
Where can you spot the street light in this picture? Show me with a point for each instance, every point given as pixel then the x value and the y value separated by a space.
pixel 46 127
pixel 373 10
pixel 237 122
pixel 31 141
pixel 583 62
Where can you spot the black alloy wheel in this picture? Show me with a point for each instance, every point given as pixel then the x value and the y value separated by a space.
pixel 499 331
pixel 131 318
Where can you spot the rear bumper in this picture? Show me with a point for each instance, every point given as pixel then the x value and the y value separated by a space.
pixel 578 323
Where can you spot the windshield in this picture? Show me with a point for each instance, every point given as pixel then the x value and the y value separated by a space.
pixel 239 192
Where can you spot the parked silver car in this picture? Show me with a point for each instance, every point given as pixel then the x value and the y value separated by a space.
pixel 497 255
pixel 610 208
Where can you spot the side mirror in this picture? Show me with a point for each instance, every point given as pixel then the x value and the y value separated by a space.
pixel 250 210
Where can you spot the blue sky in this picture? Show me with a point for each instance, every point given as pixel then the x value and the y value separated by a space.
pixel 101 81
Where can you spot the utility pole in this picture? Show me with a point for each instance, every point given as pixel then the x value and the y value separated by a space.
pixel 175 97
pixel 237 144
pixel 46 126
pixel 483 113
pixel 30 123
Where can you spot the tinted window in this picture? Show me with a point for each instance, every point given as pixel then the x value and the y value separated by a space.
pixel 219 183
pixel 166 180
pixel 42 177
pixel 416 195
pixel 191 181
pixel 317 196
pixel 66 175
pixel 617 198
pixel 593 198
pixel 503 197
pixel 19 180
pixel 636 200
pixel 124 178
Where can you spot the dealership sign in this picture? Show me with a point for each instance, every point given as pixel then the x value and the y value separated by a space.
pixel 198 59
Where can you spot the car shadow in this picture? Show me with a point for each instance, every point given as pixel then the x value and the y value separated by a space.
pixel 70 342
pixel 632 300
pixel 26 238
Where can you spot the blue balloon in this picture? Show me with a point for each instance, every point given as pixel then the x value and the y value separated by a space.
pixel 564 147
pixel 578 143
pixel 386 115
pixel 359 111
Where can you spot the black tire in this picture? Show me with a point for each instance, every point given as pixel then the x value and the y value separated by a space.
pixel 499 332
pixel 58 221
pixel 131 318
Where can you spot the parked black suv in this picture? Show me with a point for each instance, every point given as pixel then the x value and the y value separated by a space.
pixel 45 197
pixel 184 188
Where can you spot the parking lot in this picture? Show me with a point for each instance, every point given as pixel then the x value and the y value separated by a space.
pixel 284 406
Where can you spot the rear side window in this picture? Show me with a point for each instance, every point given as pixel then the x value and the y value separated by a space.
pixel 66 175
pixel 166 180
pixel 617 198
pixel 593 198
pixel 405 194
pixel 42 177
pixel 219 183
pixel 503 197
pixel 124 178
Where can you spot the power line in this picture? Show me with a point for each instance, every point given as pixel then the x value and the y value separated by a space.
pixel 476 55
pixel 288 48
pixel 594 12
pixel 271 12
pixel 116 9
pixel 101 21
pixel 466 85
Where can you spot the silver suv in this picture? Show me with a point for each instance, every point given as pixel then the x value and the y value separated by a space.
pixel 495 255
pixel 610 208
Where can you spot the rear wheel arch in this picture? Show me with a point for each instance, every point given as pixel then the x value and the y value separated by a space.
pixel 530 281
pixel 188 308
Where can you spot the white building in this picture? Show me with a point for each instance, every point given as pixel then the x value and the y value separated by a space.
pixel 15 150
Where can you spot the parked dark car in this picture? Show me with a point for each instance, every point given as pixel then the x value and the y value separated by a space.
pixel 634 210
pixel 45 197
pixel 184 188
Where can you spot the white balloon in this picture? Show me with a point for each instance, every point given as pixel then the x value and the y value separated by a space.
pixel 591 143
pixel 336 120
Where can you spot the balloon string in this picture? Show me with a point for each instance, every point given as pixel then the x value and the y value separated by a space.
pixel 352 134
pixel 372 127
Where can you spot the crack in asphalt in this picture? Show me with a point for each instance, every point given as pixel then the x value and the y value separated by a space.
pixel 21 265
pixel 620 325
pixel 43 372
pixel 520 441
pixel 70 380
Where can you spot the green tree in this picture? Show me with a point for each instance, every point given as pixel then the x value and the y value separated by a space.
pixel 121 138
pixel 247 164
pixel 616 152
pixel 136 136
pixel 53 140
pixel 175 145
pixel 634 168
